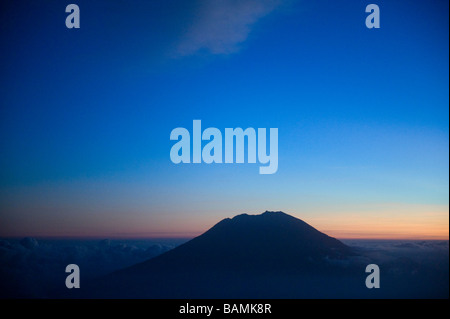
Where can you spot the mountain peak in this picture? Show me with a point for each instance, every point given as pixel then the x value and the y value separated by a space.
pixel 265 215
pixel 233 251
pixel 269 240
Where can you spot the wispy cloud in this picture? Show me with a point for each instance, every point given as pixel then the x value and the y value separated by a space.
pixel 221 25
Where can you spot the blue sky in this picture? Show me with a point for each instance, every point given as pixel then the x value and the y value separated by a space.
pixel 86 114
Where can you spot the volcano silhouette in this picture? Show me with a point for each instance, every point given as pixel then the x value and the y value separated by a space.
pixel 246 256
pixel 272 240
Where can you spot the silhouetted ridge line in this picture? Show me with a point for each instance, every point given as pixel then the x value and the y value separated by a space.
pixel 269 241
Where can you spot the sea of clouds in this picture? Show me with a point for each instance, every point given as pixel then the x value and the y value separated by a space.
pixel 35 268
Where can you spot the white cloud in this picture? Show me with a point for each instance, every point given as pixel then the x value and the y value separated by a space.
pixel 221 25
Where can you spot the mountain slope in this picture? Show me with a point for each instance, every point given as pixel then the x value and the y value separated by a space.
pixel 272 240
pixel 246 256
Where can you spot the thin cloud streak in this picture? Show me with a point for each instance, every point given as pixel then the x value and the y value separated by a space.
pixel 220 26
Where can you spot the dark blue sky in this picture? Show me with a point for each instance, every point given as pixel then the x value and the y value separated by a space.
pixel 86 114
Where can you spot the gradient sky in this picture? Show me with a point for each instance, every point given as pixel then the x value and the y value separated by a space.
pixel 86 114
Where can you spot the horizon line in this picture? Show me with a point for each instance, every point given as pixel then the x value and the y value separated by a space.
pixel 189 237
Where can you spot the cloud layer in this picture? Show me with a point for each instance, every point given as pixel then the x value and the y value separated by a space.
pixel 220 26
pixel 32 268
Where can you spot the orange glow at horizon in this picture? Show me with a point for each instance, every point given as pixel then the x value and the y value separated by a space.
pixel 371 221
pixel 384 221
pixel 393 221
